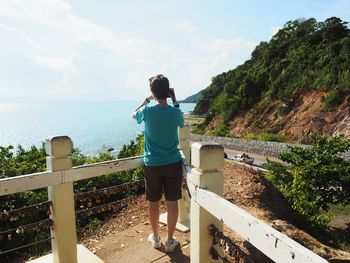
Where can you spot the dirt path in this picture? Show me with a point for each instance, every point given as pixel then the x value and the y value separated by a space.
pixel 124 239
pixel 131 245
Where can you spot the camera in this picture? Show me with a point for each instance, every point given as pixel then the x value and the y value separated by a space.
pixel 171 93
pixel 172 96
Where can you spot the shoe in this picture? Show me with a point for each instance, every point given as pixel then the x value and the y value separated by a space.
pixel 155 241
pixel 170 245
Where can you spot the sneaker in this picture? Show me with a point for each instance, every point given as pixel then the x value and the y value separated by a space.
pixel 155 241
pixel 170 245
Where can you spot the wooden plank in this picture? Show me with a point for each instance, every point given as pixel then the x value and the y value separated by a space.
pixel 272 243
pixel 39 180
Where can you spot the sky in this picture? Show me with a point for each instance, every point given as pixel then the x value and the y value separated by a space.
pixel 84 50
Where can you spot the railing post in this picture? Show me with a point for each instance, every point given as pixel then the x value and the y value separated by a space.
pixel 184 204
pixel 207 159
pixel 184 141
pixel 183 219
pixel 63 232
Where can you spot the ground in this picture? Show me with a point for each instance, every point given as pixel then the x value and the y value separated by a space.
pixel 307 115
pixel 124 239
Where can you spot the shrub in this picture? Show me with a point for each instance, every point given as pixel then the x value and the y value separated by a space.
pixel 265 137
pixel 272 137
pixel 314 178
pixel 222 131
pixel 250 136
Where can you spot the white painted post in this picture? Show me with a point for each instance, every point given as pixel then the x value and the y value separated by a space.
pixel 183 219
pixel 207 159
pixel 184 203
pixel 184 141
pixel 64 242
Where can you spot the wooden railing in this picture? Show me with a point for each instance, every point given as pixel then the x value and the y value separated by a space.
pixel 205 186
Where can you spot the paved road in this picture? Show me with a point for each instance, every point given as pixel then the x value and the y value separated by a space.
pixel 258 159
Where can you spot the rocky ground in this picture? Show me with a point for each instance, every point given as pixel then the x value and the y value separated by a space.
pixel 244 187
pixel 308 115
pixel 250 191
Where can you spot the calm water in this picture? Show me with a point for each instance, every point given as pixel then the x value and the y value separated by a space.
pixel 91 125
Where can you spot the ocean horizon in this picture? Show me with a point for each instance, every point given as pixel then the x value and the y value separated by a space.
pixel 92 126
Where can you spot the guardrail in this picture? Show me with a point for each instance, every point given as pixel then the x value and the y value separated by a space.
pixel 59 179
pixel 205 183
pixel 263 148
pixel 207 207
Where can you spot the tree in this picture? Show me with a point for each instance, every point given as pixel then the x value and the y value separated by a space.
pixel 304 55
pixel 314 177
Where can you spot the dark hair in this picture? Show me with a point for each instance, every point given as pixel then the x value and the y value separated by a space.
pixel 160 86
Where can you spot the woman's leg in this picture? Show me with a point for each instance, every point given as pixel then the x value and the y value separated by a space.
pixel 154 216
pixel 173 211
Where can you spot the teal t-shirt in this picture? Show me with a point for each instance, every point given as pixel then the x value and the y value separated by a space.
pixel 161 139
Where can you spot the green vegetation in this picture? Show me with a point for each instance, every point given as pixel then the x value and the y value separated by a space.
pixel 315 178
pixel 222 131
pixel 303 55
pixel 94 224
pixel 194 98
pixel 265 137
pixel 14 162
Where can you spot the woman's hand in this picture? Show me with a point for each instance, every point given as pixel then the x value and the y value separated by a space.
pixel 150 97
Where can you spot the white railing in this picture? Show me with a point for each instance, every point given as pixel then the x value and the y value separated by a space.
pixel 205 183
pixel 204 180
pixel 59 179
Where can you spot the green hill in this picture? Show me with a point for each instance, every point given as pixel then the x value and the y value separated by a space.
pixel 194 98
pixel 305 55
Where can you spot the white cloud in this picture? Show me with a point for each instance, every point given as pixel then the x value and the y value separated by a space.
pixel 8 31
pixel 92 61
pixel 60 64
pixel 11 29
pixel 185 26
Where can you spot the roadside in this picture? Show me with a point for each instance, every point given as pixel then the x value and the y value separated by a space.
pixel 259 160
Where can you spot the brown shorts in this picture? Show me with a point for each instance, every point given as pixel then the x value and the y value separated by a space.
pixel 165 178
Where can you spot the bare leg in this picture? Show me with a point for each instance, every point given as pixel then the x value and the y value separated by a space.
pixel 173 211
pixel 154 217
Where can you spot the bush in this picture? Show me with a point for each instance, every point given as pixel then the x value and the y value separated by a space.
pixel 272 137
pixel 197 130
pixel 14 162
pixel 222 131
pixel 265 137
pixel 314 177
pixel 278 126
pixel 250 136
pixel 94 224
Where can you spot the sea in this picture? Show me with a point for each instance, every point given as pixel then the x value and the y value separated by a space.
pixel 92 126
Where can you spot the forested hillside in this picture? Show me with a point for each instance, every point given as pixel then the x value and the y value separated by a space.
pixel 194 98
pixel 298 80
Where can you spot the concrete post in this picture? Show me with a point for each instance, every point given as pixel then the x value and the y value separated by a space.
pixel 183 219
pixel 207 159
pixel 184 141
pixel 64 242
pixel 184 203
